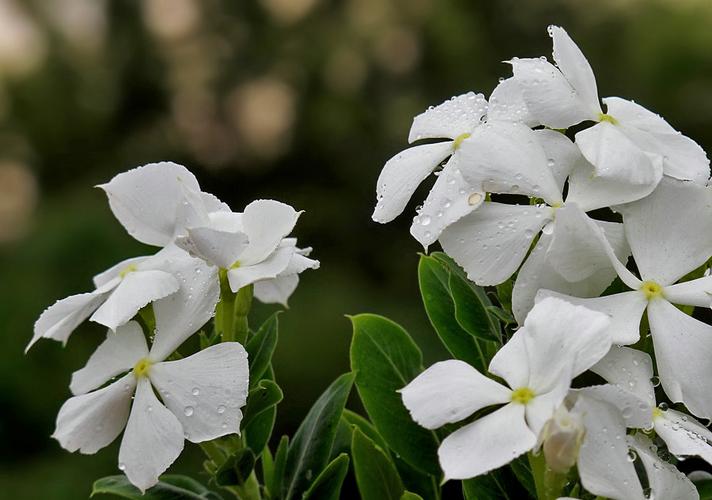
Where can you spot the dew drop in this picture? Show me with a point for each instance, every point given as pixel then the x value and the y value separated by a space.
pixel 188 411
pixel 221 409
pixel 655 380
pixel 122 466
pixel 196 391
pixel 632 455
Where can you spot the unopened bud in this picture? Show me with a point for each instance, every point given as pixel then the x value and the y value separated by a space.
pixel 563 435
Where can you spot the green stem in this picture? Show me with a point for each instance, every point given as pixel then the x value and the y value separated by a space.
pixel 549 484
pixel 227 308
pixel 243 304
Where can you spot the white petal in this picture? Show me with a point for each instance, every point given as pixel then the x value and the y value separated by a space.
pixel 491 242
pixel 625 311
pixel 683 158
pixel 562 155
pixel 206 390
pixel 117 354
pixel 636 412
pixel 511 363
pixel 450 199
pixel 615 157
pixel 691 293
pixel 552 346
pixel 630 370
pixel 456 116
pixel 670 231
pixel 266 223
pixel 402 174
pixel 269 268
pixel 683 352
pixel 152 441
pixel 507 104
pixel 136 290
pixel 184 312
pixel 486 444
pixel 91 421
pixel 550 98
pixel 575 68
pixel 145 200
pixel 103 278
pixel 277 290
pixel 219 248
pixel 603 463
pixel 300 262
pixel 664 478
pixel 683 435
pixel 504 157
pixel 59 320
pixel 450 391
pixel 542 408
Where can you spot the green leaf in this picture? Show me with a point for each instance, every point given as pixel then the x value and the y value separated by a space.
pixel 327 486
pixel 488 487
pixel 704 488
pixel 267 466
pixel 415 481
pixel 364 426
pixel 261 347
pixel 236 469
pixel 523 472
pixel 266 395
pixel 385 359
pixel 376 476
pixel 410 496
pixel 280 462
pixel 311 446
pixel 470 312
pixel 170 487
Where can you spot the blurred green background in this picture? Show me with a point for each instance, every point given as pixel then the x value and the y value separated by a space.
pixel 299 100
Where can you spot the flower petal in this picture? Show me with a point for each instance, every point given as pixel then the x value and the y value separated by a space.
pixel 491 242
pixel 450 199
pixel 266 223
pixel 504 157
pixel 91 421
pixel 542 408
pixel 683 158
pixel 691 293
pixel 183 313
pixel 636 412
pixel 59 320
pixel 670 238
pixel 402 174
pixel 450 391
pixel 683 352
pixel 630 370
pixel 603 463
pixel 575 68
pixel 277 290
pixel 625 311
pixel 206 390
pixel 507 104
pixel 136 290
pixel 106 277
pixel 215 247
pixel 511 361
pixel 615 157
pixel 456 116
pixel 664 478
pixel 486 444
pixel 146 199
pixel 562 155
pixel 683 435
pixel 269 268
pixel 152 441
pixel 117 354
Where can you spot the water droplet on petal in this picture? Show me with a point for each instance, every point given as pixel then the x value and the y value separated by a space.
pixel 188 411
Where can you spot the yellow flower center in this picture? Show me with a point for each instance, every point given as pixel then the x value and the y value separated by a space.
pixel 128 269
pixel 235 264
pixel 651 289
pixel 142 367
pixel 603 117
pixel 657 412
pixel 522 395
pixel 458 140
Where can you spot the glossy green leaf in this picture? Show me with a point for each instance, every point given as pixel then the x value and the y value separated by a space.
pixel 415 481
pixel 260 348
pixel 170 487
pixel 487 487
pixel 274 486
pixel 704 488
pixel 385 359
pixel 236 469
pixel 364 426
pixel 470 312
pixel 310 449
pixel 260 414
pixel 409 495
pixel 376 476
pixel 327 486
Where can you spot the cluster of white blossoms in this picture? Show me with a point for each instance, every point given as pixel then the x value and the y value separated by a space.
pixel 202 242
pixel 543 135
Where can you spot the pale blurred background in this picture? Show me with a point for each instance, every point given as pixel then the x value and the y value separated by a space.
pixel 300 100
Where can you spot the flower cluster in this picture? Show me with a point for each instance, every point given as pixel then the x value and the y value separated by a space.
pixel 541 183
pixel 208 256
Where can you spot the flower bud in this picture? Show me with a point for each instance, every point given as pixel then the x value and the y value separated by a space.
pixel 563 435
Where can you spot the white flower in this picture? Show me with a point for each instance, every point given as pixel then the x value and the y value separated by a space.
pixel 491 242
pixel 628 144
pixel 631 371
pixel 561 439
pixel 451 197
pixel 607 455
pixel 538 364
pixel 153 203
pixel 200 395
pixel 253 247
pixel 670 235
